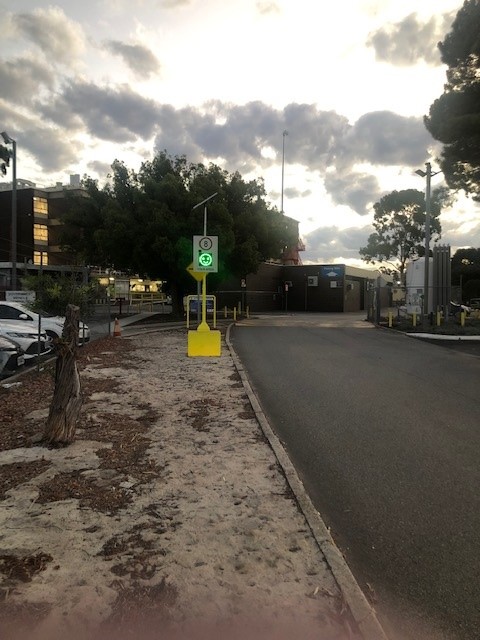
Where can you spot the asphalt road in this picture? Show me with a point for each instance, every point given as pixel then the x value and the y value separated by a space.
pixel 384 431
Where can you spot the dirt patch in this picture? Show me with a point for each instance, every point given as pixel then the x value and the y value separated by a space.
pixel 12 475
pixel 108 498
pixel 168 509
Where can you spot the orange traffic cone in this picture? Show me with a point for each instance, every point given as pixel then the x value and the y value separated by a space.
pixel 117 331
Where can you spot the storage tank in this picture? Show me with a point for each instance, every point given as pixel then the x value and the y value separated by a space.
pixel 415 283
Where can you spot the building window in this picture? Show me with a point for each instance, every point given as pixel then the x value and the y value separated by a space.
pixel 40 232
pixel 40 206
pixel 40 257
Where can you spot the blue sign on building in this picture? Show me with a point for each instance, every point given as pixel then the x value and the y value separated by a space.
pixel 333 271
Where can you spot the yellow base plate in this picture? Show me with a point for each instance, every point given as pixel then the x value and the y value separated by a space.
pixel 204 343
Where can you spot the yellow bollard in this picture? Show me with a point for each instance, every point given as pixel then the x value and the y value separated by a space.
pixel 462 318
pixel 439 318
pixel 414 319
pixel 234 313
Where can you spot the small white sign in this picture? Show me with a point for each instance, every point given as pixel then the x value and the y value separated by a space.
pixel 24 297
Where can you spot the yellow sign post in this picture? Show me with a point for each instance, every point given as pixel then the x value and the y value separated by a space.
pixel 203 341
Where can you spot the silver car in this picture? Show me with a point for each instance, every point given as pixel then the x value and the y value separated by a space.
pixel 52 325
pixel 12 357
pixel 27 337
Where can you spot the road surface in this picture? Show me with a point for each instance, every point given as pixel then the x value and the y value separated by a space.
pixel 384 430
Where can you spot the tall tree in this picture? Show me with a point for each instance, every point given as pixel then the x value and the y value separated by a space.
pixel 454 117
pixel 144 223
pixel 399 223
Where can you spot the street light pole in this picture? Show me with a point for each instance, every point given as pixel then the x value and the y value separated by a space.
pixel 285 133
pixel 428 175
pixel 8 140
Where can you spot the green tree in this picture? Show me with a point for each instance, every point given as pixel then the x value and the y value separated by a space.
pixel 454 117
pixel 53 293
pixel 144 223
pixel 4 159
pixel 466 272
pixel 399 223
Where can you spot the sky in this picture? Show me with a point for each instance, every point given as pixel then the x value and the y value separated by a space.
pixel 85 83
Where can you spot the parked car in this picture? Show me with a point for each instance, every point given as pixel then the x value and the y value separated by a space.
pixel 12 357
pixel 52 325
pixel 27 337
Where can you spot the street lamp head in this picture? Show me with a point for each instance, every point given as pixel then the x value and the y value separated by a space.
pixel 6 138
pixel 421 173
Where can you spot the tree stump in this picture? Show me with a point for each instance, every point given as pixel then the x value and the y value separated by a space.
pixel 66 401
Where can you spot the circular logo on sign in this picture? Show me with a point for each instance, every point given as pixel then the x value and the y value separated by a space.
pixel 205 260
pixel 205 243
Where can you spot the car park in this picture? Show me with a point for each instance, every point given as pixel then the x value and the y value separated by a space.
pixel 52 325
pixel 27 337
pixel 12 357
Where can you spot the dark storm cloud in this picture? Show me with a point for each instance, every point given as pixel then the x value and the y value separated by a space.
pixel 410 41
pixel 61 39
pixel 118 115
pixel 137 57
pixel 327 243
pixel 22 78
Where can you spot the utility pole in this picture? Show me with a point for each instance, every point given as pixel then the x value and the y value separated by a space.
pixel 285 133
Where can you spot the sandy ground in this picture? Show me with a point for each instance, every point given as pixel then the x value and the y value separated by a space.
pixel 168 517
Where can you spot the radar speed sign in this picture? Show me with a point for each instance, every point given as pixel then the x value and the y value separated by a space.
pixel 205 253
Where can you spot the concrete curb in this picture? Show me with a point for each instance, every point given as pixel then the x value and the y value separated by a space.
pixel 439 336
pixel 361 610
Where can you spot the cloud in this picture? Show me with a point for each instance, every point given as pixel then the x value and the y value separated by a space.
pixel 61 39
pixel 327 243
pixel 267 7
pixel 291 192
pixel 171 4
pixel 137 57
pixel 386 138
pixel 409 41
pixel 100 168
pixel 50 148
pixel 236 136
pixel 115 114
pixel 23 77
pixel 356 190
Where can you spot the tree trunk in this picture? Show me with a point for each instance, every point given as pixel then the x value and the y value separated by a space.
pixel 67 401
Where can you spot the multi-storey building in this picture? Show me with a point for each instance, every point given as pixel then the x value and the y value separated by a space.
pixel 38 218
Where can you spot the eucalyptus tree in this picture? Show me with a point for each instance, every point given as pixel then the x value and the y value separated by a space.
pixel 399 223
